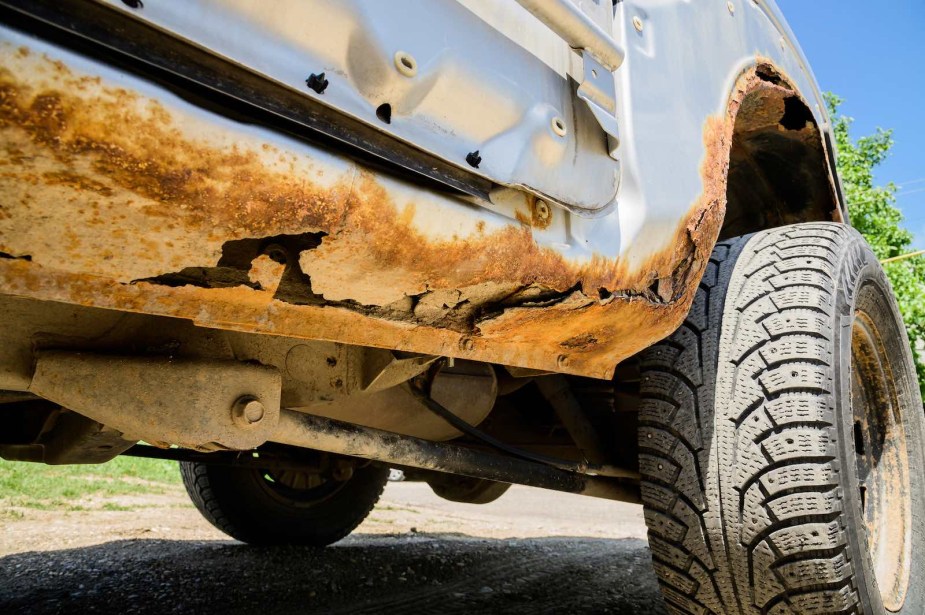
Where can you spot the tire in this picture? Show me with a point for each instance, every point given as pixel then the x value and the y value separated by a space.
pixel 781 436
pixel 255 507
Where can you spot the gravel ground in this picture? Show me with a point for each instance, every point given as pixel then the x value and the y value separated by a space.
pixel 529 552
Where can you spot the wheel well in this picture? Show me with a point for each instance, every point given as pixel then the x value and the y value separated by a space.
pixel 779 171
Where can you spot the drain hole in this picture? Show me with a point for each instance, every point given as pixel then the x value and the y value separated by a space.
pixel 384 113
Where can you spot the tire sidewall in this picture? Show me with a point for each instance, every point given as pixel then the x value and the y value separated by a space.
pixel 246 510
pixel 857 268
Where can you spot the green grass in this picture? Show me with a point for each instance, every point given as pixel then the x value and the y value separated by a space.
pixel 38 486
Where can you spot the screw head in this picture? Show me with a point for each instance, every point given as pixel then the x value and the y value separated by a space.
pixel 562 360
pixel 466 344
pixel 637 23
pixel 247 411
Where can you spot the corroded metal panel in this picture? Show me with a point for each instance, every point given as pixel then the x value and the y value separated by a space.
pixel 114 193
pixel 444 72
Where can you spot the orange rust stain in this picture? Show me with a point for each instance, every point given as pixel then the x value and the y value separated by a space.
pixel 761 97
pixel 635 320
pixel 226 190
pixel 244 309
pixel 536 219
pixel 106 142
pixel 523 218
pixel 766 64
pixel 77 182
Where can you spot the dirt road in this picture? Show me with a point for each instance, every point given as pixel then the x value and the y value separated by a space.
pixel 530 552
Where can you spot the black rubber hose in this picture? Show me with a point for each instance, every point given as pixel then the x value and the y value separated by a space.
pixel 469 430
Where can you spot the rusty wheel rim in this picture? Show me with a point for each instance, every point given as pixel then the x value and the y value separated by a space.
pixel 297 480
pixel 882 459
pixel 297 487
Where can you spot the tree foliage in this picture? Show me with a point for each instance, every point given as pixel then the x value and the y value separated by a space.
pixel 874 213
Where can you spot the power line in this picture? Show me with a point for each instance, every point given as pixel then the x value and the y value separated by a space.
pixel 908 192
pixel 896 195
pixel 902 257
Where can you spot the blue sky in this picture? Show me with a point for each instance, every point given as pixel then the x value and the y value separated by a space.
pixel 872 54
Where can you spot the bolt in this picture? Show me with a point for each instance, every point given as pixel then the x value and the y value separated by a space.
pixel 731 8
pixel 474 159
pixel 637 23
pixel 562 361
pixel 466 344
pixel 317 82
pixel 247 411
pixel 542 210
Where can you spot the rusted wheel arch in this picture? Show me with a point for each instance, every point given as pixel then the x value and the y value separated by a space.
pixel 780 164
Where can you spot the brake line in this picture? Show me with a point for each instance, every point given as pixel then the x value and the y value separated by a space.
pixel 461 425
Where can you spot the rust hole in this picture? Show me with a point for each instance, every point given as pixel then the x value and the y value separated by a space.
pixel 796 114
pixel 24 257
pixel 858 438
pixel 767 73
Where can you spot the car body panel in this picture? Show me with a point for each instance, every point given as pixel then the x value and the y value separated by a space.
pixel 119 194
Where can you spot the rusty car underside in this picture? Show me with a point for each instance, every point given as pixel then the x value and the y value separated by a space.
pixel 174 244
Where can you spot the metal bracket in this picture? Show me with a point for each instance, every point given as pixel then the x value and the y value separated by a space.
pixel 195 403
pixel 600 54
pixel 598 90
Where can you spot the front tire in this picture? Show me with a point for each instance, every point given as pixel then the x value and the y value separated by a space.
pixel 781 436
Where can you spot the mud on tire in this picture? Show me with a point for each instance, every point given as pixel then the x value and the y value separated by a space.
pixel 781 436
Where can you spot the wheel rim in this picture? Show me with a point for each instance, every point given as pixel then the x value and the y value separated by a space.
pixel 297 487
pixel 882 459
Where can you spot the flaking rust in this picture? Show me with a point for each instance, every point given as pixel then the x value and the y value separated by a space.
pixel 108 200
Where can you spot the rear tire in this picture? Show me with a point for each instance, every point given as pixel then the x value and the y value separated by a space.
pixel 781 436
pixel 260 508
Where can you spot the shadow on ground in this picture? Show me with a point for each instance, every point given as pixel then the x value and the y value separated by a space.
pixel 417 573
